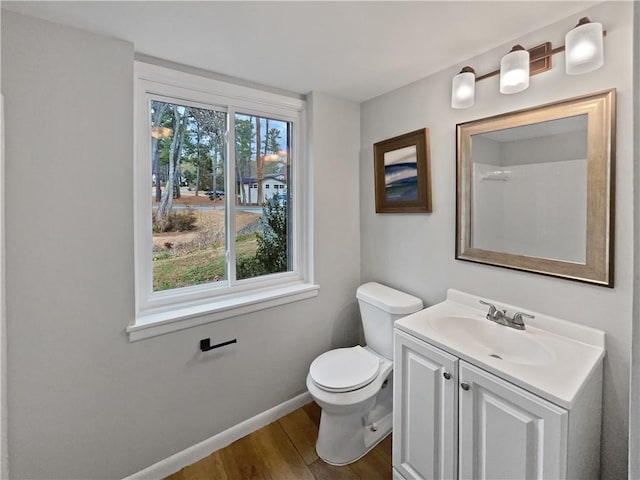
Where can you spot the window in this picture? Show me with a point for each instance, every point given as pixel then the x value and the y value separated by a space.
pixel 188 226
pixel 211 240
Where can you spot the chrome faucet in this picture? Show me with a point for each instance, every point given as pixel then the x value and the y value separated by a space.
pixel 495 315
pixel 501 318
pixel 517 322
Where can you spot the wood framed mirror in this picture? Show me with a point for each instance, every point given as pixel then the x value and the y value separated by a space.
pixel 535 189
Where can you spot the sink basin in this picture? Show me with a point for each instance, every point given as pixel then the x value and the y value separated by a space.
pixel 496 341
pixel 552 358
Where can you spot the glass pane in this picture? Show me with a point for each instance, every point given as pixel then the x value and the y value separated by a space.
pixel 263 201
pixel 187 192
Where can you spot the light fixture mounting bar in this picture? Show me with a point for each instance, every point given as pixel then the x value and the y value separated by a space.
pixel 539 52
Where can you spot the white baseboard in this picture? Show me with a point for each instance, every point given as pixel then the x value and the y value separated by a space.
pixel 205 448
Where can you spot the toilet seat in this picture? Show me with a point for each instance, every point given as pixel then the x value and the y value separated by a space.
pixel 344 369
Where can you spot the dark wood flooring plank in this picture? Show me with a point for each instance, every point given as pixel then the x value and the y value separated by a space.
pixel 217 467
pixel 281 458
pixel 314 411
pixel 373 466
pixel 285 450
pixel 302 432
pixel 324 471
pixel 176 476
pixel 242 462
pixel 384 448
pixel 208 468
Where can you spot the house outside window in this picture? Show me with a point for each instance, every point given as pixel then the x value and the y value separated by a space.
pixel 210 240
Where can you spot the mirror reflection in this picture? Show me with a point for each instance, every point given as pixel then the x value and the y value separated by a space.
pixel 529 189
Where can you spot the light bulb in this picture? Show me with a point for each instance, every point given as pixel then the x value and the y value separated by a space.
pixel 514 71
pixel 463 89
pixel 584 49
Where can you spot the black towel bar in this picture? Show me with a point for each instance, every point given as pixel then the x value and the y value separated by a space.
pixel 205 344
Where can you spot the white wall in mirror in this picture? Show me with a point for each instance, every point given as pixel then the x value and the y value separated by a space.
pixel 530 190
pixel 552 197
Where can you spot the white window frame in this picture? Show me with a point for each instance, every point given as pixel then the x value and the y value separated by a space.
pixel 162 312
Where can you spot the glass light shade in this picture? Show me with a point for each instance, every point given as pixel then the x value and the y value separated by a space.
pixel 584 49
pixel 463 90
pixel 514 71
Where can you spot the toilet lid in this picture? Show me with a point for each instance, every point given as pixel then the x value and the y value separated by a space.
pixel 344 369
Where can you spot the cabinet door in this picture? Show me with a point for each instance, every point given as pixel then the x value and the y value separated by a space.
pixel 424 410
pixel 507 432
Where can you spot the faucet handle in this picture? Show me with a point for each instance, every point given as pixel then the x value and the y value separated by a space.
pixel 492 309
pixel 517 320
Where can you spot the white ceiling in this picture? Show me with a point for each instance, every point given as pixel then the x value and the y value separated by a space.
pixel 355 50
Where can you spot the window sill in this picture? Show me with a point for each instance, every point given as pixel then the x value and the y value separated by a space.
pixel 158 323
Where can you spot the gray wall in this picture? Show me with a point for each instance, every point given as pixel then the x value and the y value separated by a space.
pixel 416 252
pixel 83 401
pixel 634 410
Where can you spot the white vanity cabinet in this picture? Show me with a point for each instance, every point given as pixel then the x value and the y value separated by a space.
pixel 425 410
pixel 506 432
pixel 458 418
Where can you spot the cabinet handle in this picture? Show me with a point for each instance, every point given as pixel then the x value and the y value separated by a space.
pixel 446 375
pixel 464 386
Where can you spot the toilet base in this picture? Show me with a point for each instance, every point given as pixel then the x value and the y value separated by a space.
pixel 344 438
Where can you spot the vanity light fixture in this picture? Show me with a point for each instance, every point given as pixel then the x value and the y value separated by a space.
pixel 463 88
pixel 585 49
pixel 514 70
pixel 584 54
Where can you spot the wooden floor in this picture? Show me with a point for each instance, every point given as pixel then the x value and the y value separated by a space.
pixel 283 450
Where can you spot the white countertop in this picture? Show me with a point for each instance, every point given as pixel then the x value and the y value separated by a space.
pixel 576 350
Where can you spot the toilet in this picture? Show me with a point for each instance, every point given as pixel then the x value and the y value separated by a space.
pixel 354 386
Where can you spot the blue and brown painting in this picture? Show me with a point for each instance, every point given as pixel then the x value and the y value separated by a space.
pixel 401 175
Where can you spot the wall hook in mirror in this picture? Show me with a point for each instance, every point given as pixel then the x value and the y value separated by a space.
pixel 205 344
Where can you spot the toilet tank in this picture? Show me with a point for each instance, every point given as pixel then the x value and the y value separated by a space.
pixel 380 306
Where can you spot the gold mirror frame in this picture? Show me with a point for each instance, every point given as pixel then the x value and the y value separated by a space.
pixel 601 114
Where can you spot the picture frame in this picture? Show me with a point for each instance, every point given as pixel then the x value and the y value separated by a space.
pixel 402 170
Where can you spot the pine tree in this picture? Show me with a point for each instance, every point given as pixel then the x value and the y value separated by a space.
pixel 272 242
pixel 271 254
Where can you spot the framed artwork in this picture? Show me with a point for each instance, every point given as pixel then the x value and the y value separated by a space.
pixel 402 168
